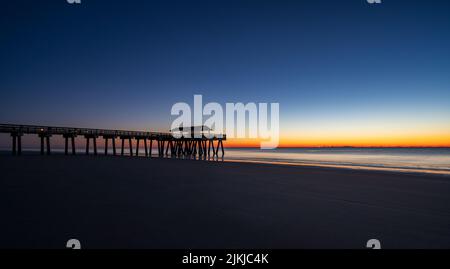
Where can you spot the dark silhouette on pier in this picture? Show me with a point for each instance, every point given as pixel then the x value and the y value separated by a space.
pixel 187 141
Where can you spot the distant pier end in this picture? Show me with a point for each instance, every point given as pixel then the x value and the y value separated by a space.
pixel 184 141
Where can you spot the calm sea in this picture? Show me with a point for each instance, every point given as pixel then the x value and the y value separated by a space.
pixel 424 160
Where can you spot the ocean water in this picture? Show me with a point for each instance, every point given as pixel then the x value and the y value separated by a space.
pixel 422 160
pixel 411 160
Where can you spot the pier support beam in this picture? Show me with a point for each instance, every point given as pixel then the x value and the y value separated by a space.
pixel 113 140
pixel 73 145
pixel 188 147
pixel 217 149
pixel 161 148
pixel 130 144
pixel 87 145
pixel 94 140
pixel 45 139
pixel 209 147
pixel 66 146
pixel 114 145
pixel 200 149
pixel 179 148
pixel 183 147
pixel 151 147
pixel 95 145
pixel 16 143
pixel 220 145
pixel 205 150
pixel 145 146
pixel 169 143
pixel 66 143
pixel 173 148
pixel 106 145
pixel 138 141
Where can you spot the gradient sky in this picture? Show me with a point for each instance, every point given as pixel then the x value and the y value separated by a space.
pixel 344 72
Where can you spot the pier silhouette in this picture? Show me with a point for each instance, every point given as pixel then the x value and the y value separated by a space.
pixel 187 141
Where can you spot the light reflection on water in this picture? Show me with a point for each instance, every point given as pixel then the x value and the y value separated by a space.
pixel 425 160
pixel 413 160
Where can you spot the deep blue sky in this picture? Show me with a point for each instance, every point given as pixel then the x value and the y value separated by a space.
pixel 122 64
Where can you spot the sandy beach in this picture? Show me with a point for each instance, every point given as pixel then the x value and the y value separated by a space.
pixel 123 202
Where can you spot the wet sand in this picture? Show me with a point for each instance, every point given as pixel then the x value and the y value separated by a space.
pixel 123 202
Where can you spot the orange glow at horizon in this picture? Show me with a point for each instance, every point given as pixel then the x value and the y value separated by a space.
pixel 424 140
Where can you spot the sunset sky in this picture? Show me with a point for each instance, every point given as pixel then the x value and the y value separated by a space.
pixel 346 73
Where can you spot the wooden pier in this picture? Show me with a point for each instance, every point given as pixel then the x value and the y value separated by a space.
pixel 190 141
